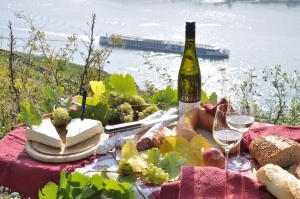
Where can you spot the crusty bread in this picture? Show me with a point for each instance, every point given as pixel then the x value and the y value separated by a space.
pixel 279 182
pixel 274 149
pixel 295 170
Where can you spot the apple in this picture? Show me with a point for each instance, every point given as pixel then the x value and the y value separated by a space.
pixel 214 157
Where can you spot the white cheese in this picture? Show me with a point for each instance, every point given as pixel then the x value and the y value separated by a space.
pixel 77 131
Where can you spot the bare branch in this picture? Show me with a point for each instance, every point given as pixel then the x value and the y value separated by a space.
pixel 12 71
pixel 84 75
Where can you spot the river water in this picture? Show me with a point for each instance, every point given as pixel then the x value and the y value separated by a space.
pixel 257 34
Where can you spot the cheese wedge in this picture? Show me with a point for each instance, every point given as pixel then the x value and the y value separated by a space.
pixel 77 131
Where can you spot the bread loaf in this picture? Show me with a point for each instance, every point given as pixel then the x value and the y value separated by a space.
pixel 295 170
pixel 279 182
pixel 274 149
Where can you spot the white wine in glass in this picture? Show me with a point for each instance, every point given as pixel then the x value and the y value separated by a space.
pixel 224 136
pixel 240 121
pixel 227 138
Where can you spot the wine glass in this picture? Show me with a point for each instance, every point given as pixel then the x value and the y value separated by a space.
pixel 239 120
pixel 225 137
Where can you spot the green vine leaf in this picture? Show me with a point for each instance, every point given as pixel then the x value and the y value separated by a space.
pixel 171 163
pixel 204 97
pixel 99 111
pixel 29 114
pixel 77 185
pixel 98 181
pixel 98 89
pixel 123 84
pixel 78 180
pixel 49 191
pixel 167 96
pixel 113 189
pixel 53 98
pixel 129 150
pixel 153 156
pixel 212 98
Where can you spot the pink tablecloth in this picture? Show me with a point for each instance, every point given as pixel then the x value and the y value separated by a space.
pixel 21 173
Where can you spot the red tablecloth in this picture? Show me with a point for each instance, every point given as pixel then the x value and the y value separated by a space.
pixel 211 182
pixel 23 174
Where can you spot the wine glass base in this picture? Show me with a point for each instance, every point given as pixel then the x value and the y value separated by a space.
pixel 239 164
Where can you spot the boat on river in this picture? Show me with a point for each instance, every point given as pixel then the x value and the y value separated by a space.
pixel 137 43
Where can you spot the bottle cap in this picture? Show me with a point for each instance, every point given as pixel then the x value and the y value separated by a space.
pixel 190 29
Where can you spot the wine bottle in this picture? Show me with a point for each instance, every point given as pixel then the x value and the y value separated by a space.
pixel 189 77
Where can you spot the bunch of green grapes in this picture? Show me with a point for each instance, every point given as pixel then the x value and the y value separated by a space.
pixel 128 108
pixel 136 100
pixel 125 168
pixel 147 111
pixel 116 99
pixel 154 175
pixel 126 112
pixel 60 117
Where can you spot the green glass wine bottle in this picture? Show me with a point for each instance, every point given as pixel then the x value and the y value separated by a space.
pixel 189 77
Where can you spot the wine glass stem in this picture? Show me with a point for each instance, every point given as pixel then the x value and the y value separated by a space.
pixel 239 146
pixel 226 159
pixel 226 168
pixel 239 150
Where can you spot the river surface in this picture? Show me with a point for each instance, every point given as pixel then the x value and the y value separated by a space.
pixel 257 34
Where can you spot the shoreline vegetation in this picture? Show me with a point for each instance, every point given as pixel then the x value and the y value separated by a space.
pixel 24 75
pixel 229 3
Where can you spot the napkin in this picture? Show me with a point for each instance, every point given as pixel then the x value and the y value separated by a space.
pixel 211 109
pixel 292 132
pixel 211 182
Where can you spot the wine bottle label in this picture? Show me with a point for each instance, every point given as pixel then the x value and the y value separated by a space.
pixel 189 88
pixel 185 107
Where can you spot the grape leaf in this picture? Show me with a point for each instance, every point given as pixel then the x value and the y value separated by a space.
pixel 78 180
pixel 129 150
pixel 113 185
pixel 62 193
pixel 63 179
pixel 29 114
pixel 53 98
pixel 113 189
pixel 167 96
pixel 49 191
pixel 175 143
pixel 204 97
pixel 128 178
pixel 171 163
pixel 98 181
pixel 99 112
pixel 77 185
pixel 191 151
pixel 87 192
pixel 198 145
pixel 123 84
pixel 130 153
pixel 91 101
pixel 98 89
pixel 153 156
pixel 212 98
